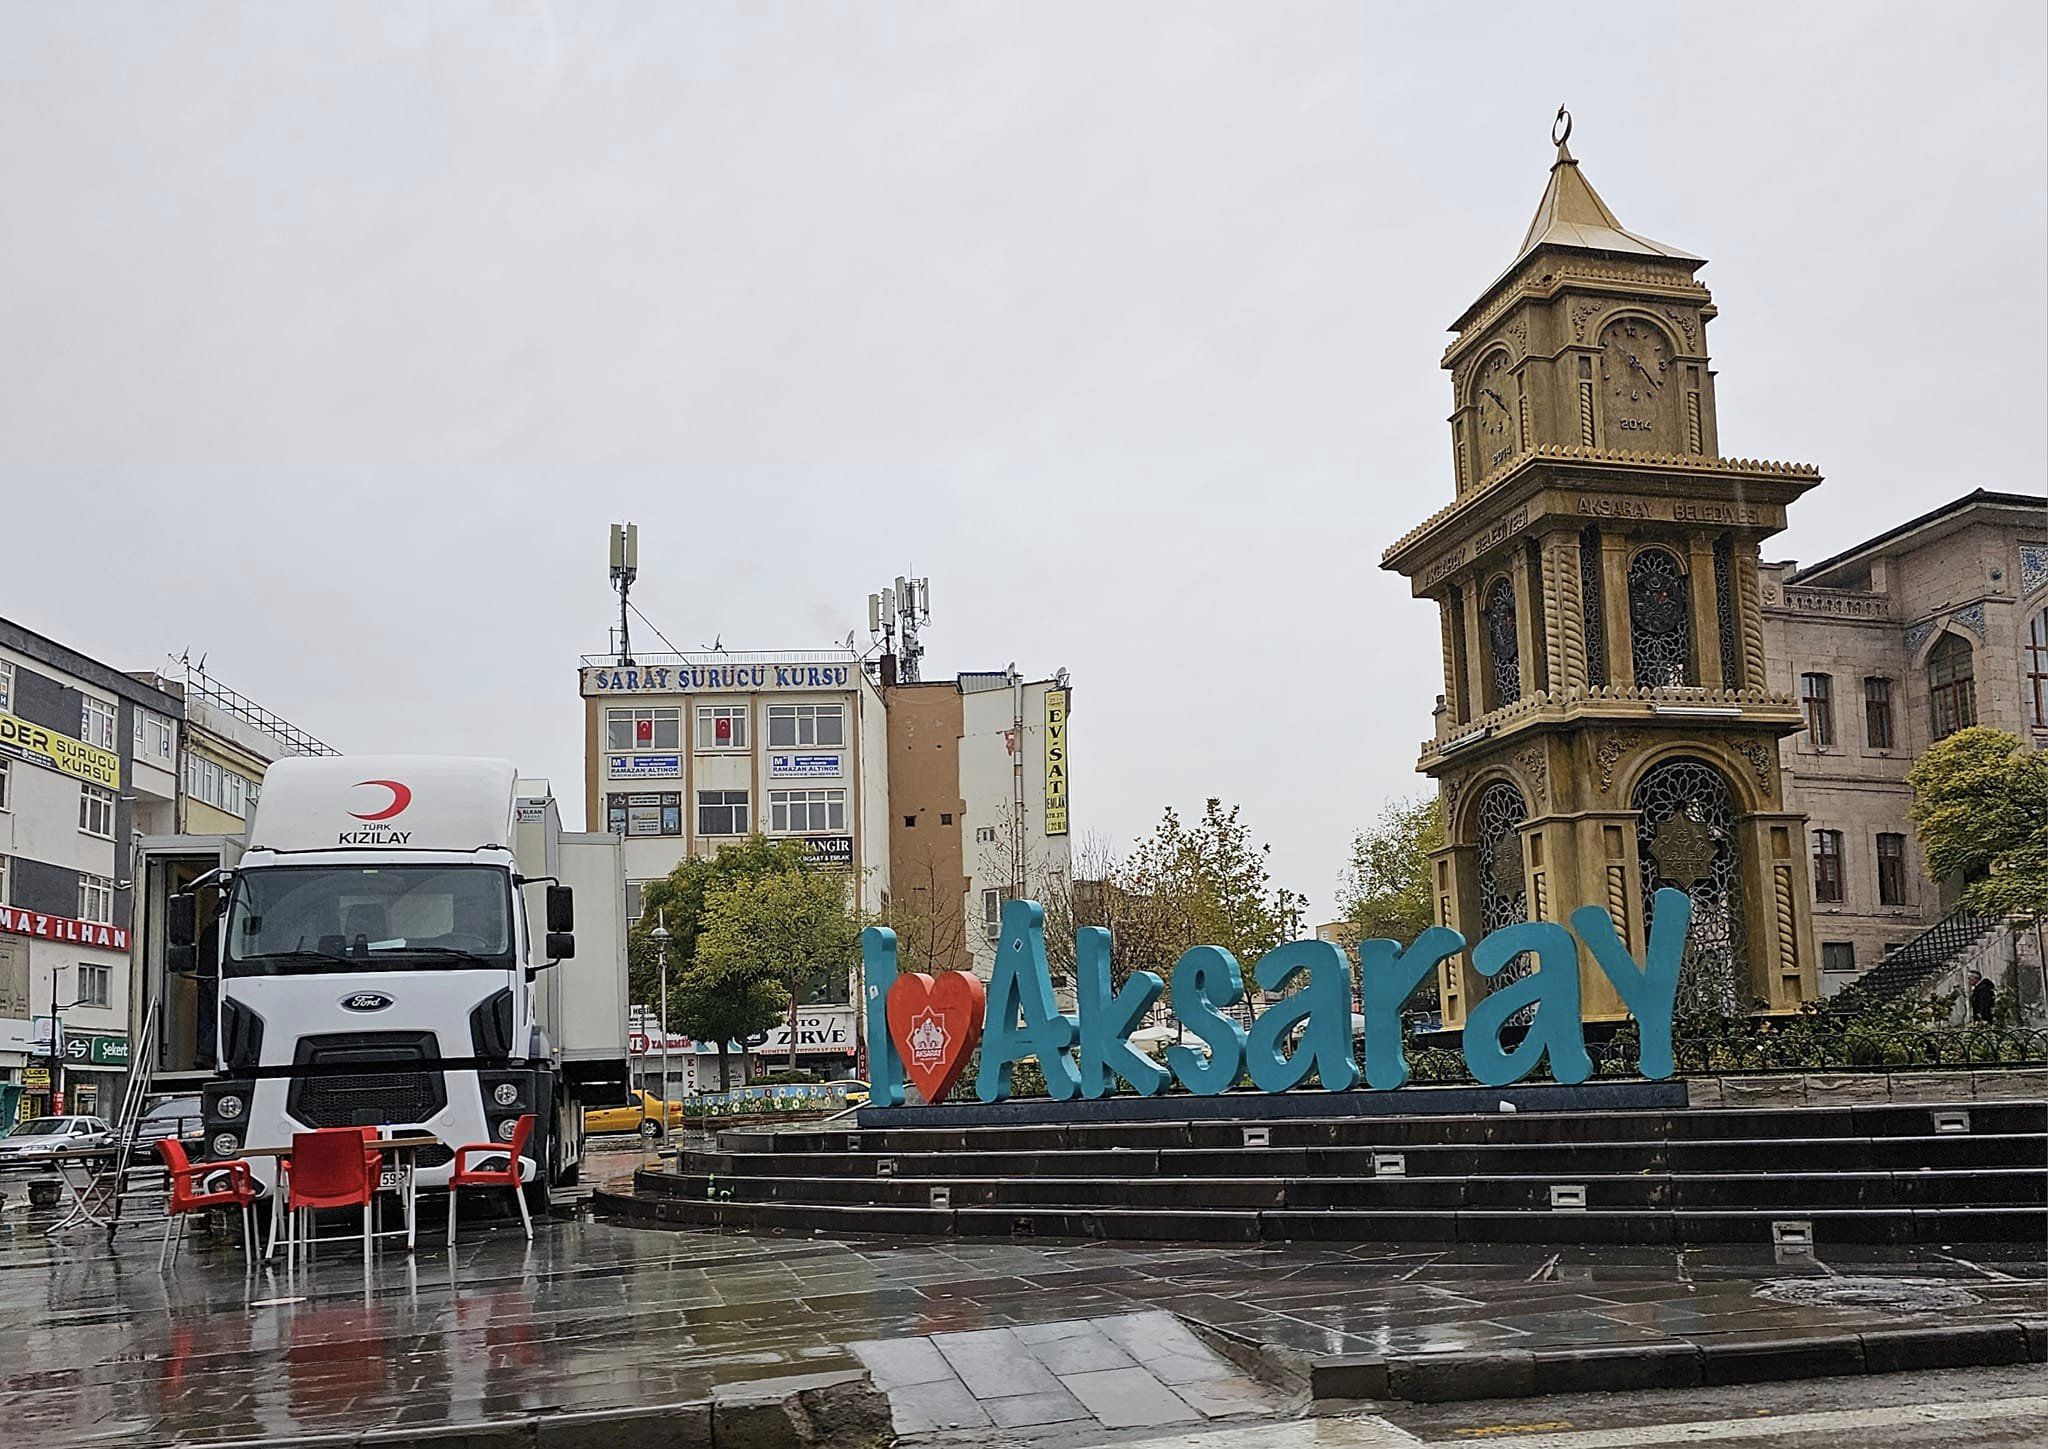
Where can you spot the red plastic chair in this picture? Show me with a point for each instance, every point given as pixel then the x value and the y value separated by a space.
pixel 330 1168
pixel 464 1175
pixel 194 1189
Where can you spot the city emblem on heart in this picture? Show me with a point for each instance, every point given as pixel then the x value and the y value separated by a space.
pixel 936 1024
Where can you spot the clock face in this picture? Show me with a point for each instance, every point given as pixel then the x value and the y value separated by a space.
pixel 1635 367
pixel 1491 394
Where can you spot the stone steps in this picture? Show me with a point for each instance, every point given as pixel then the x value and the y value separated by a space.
pixel 1891 1173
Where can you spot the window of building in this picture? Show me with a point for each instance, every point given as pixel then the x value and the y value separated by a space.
pixel 155 739
pixel 945 817
pixel 806 812
pixel 1827 865
pixel 992 910
pixel 6 685
pixel 96 811
pixel 722 812
pixel 643 729
pixel 2036 685
pixel 1817 700
pixel 3 882
pixel 806 724
pixel 722 726
pixel 96 899
pixel 1891 870
pixel 1952 685
pixel 96 722
pixel 910 822
pixel 1659 620
pixel 655 813
pixel 216 785
pixel 95 985
pixel 1838 955
pixel 1503 644
pixel 1877 713
pixel 6 784
pixel 636 896
pixel 985 835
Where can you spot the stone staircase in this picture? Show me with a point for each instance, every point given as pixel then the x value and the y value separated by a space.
pixel 1898 1174
pixel 1935 952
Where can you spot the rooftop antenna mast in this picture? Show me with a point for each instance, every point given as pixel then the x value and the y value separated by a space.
pixel 625 568
pixel 902 610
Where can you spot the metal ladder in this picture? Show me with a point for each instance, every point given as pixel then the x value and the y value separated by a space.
pixel 141 1067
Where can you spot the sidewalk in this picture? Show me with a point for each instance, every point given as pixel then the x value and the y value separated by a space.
pixel 99 1348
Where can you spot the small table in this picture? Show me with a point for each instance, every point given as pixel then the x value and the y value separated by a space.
pixel 97 1200
pixel 403 1178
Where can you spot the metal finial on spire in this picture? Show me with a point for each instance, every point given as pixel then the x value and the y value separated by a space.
pixel 1561 128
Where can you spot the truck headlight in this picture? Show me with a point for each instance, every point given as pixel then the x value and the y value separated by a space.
pixel 506 1128
pixel 228 1106
pixel 224 1144
pixel 505 1093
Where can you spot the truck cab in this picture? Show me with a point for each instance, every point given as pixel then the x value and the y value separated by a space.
pixel 382 957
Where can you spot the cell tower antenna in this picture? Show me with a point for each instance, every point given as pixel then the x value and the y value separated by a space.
pixel 897 613
pixel 625 568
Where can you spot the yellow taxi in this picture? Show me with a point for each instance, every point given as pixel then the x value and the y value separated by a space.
pixel 642 1114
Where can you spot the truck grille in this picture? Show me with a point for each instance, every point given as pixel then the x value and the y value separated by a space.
pixel 360 1081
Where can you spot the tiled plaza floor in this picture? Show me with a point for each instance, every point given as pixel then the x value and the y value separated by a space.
pixel 98 1347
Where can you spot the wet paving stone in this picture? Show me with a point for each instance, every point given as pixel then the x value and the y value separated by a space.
pixel 96 1347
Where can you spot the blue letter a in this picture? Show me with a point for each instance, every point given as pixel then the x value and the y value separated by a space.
pixel 1552 988
pixel 1651 992
pixel 1021 985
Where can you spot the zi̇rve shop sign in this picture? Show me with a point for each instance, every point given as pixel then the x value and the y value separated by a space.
pixel 927 1026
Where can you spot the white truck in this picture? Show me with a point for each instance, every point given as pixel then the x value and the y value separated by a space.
pixel 398 945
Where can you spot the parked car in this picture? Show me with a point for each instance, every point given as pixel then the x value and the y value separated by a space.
pixel 642 1115
pixel 173 1117
pixel 35 1140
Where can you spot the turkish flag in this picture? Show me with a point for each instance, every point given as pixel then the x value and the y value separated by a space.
pixel 643 731
pixel 723 730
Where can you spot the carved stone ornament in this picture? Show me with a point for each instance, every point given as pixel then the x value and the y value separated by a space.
pixel 1517 335
pixel 1611 750
pixel 1536 769
pixel 1760 756
pixel 1582 313
pixel 1450 789
pixel 1507 865
pixel 1692 337
pixel 1684 851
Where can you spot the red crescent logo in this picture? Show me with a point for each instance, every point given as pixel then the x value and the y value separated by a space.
pixel 401 796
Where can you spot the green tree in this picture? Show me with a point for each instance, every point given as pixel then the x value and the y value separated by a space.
pixel 1980 807
pixel 792 930
pixel 676 902
pixel 1386 891
pixel 1206 884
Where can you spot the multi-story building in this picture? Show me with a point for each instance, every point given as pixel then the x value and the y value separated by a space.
pixel 88 760
pixel 978 777
pixel 229 740
pixel 686 753
pixel 1891 645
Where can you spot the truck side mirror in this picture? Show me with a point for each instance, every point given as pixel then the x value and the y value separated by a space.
pixel 561 914
pixel 181 921
pixel 561 944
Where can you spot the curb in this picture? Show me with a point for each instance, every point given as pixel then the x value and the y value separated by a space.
pixel 1674 1363
pixel 816 1411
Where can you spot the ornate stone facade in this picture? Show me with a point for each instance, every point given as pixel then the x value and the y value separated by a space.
pixel 1607 724
pixel 1857 637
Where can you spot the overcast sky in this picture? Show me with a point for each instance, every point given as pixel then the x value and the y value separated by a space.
pixel 332 336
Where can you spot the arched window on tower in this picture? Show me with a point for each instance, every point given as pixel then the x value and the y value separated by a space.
pixel 1659 621
pixel 1503 645
pixel 1952 685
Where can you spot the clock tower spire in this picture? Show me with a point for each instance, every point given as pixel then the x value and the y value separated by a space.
pixel 1606 727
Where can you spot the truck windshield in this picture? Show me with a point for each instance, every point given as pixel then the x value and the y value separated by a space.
pixel 285 919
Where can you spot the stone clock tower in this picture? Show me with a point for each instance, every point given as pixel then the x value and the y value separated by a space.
pixel 1606 728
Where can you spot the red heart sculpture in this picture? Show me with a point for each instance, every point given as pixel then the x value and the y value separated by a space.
pixel 935 1022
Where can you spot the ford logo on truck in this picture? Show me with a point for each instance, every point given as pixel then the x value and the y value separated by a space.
pixel 365 1001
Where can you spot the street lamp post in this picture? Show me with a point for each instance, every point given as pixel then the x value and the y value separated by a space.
pixel 659 935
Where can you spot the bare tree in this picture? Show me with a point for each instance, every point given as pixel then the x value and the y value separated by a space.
pixel 928 912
